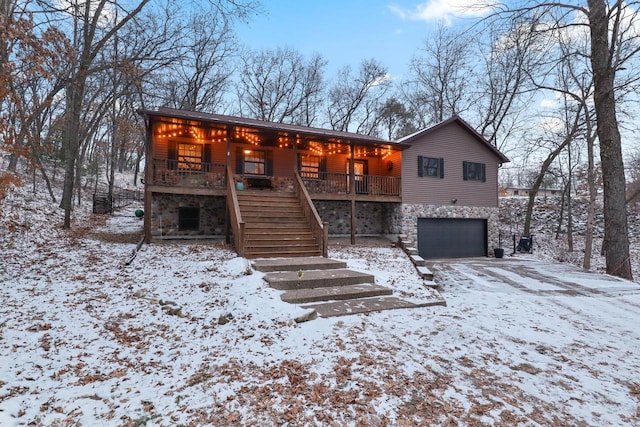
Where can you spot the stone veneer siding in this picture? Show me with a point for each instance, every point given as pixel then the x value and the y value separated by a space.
pixel 411 213
pixel 164 215
pixel 372 218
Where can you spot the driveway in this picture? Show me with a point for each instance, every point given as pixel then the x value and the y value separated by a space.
pixel 550 336
pixel 527 275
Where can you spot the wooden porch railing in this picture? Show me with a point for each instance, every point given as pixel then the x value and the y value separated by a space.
pixel 181 174
pixel 319 229
pixel 338 183
pixel 237 224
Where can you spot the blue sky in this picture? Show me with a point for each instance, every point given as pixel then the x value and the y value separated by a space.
pixel 347 31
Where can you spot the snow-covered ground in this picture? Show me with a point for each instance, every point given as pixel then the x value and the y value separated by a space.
pixel 189 334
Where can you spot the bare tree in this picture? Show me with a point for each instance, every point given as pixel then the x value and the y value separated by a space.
pixel 572 130
pixel 281 86
pixel 613 43
pixel 355 100
pixel 395 120
pixel 605 59
pixel 441 76
pixel 199 77
pixel 503 79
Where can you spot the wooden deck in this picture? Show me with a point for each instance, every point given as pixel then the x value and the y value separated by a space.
pixel 209 179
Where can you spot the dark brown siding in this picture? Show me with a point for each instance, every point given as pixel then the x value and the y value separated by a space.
pixel 455 145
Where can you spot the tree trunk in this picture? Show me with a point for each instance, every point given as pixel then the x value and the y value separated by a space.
pixel 538 182
pixel 75 93
pixel 543 170
pixel 561 217
pixel 616 243
pixel 588 238
pixel 569 216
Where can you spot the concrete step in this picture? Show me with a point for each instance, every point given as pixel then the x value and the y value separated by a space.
pixel 431 284
pixel 424 272
pixel 411 250
pixel 417 260
pixel 334 293
pixel 287 280
pixel 366 305
pixel 297 264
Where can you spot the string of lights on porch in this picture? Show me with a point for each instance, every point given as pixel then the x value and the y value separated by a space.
pixel 191 132
pixel 250 136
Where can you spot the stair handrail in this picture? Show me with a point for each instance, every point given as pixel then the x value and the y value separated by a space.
pixel 237 224
pixel 319 229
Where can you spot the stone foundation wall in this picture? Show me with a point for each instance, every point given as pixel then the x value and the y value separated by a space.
pixel 165 208
pixel 411 213
pixel 371 218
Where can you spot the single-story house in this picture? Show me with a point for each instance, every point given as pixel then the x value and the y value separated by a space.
pixel 525 191
pixel 279 190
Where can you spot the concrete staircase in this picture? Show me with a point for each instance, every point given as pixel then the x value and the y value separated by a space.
pixel 275 225
pixel 328 287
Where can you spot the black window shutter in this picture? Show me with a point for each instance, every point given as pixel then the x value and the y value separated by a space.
pixel 239 160
pixel 269 162
pixel 464 170
pixel 420 166
pixel 484 175
pixel 172 155
pixel 206 158
pixel 441 167
pixel 323 167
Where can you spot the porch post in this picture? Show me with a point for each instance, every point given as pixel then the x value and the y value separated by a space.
pixel 148 176
pixel 227 219
pixel 296 166
pixel 352 191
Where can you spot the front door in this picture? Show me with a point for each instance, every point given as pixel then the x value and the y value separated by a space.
pixel 360 170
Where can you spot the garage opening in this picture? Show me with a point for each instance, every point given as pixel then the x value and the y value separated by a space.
pixel 452 237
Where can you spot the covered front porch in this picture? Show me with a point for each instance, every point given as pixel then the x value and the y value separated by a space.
pixel 192 150
pixel 211 155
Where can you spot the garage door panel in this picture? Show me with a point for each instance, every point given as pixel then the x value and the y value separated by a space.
pixel 452 237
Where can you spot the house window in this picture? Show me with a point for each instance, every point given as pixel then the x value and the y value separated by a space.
pixel 310 167
pixel 474 171
pixel 254 162
pixel 189 157
pixel 188 219
pixel 431 166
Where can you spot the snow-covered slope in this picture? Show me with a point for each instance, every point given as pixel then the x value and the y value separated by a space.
pixel 189 334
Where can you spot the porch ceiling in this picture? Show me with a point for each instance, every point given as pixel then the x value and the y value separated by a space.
pixel 215 128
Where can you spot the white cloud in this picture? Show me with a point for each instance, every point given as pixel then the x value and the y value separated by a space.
pixel 445 10
pixel 548 103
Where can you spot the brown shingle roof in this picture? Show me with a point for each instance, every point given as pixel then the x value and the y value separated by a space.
pixel 270 126
pixel 410 138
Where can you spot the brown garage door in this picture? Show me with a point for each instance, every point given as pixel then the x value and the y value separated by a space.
pixel 452 237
